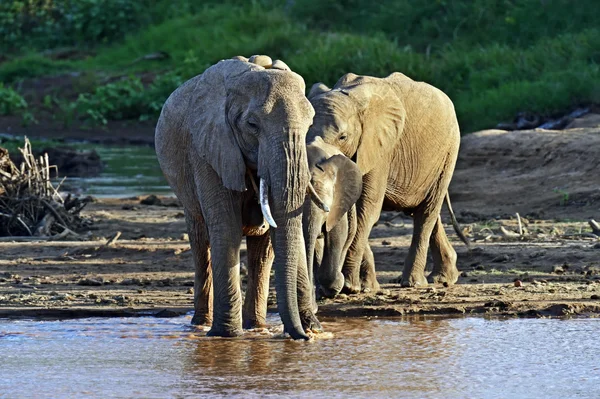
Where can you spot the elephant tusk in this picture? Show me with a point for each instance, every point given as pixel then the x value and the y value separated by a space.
pixel 264 203
pixel 315 197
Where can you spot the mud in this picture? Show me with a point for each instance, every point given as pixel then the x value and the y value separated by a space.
pixel 550 268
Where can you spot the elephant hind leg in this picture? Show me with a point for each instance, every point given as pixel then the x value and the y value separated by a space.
pixel 203 288
pixel 368 276
pixel 444 257
pixel 260 260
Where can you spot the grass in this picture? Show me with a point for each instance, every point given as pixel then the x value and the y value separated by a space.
pixel 493 58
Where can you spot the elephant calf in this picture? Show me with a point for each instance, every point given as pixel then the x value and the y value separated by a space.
pixel 338 182
pixel 404 137
pixel 237 123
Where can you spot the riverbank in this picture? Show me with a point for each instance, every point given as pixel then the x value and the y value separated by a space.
pixel 524 198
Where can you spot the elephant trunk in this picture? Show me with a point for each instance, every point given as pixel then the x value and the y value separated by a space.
pixel 288 175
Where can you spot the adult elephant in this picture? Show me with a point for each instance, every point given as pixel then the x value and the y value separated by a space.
pixel 327 235
pixel 404 137
pixel 218 133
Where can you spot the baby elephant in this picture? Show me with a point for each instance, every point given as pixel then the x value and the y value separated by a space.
pixel 327 235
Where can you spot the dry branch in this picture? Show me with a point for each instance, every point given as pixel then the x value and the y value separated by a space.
pixel 30 203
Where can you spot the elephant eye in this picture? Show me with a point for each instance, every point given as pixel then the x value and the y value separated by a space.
pixel 252 125
pixel 343 137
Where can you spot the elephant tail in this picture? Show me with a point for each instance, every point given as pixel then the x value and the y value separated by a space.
pixel 455 224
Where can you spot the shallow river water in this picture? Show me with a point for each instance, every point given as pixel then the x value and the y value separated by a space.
pixel 414 358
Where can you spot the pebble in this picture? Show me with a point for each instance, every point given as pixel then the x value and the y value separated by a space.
pixel 185 237
pixel 90 282
pixel 386 242
pixel 595 297
pixel 558 270
pixel 190 290
pixel 518 283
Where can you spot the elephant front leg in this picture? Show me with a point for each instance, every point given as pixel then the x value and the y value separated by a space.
pixel 444 257
pixel 203 301
pixel 368 209
pixel 260 260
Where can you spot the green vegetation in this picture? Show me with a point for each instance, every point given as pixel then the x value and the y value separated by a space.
pixel 494 58
pixel 11 102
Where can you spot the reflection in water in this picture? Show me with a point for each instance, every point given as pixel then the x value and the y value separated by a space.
pixel 417 357
pixel 130 170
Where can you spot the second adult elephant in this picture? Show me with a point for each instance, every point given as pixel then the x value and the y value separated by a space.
pixel 404 137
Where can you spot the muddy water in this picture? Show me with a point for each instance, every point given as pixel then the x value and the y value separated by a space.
pixel 439 358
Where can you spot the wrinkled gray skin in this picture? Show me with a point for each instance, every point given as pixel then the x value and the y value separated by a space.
pixel 338 182
pixel 404 137
pixel 237 119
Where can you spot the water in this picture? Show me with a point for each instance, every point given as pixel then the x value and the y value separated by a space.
pixel 129 171
pixel 414 358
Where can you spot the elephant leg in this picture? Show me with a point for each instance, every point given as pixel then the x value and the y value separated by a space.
pixel 222 212
pixel 368 209
pixel 260 260
pixel 367 272
pixel 203 301
pixel 444 257
pixel 425 218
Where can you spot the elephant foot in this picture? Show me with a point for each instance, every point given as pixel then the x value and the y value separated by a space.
pixel 449 278
pixel 370 285
pixel 413 280
pixel 251 324
pixel 310 322
pixel 201 319
pixel 224 332
pixel 350 289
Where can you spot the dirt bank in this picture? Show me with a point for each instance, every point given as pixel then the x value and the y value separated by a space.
pixel 555 260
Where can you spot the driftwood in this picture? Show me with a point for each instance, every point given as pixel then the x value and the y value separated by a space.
pixel 30 204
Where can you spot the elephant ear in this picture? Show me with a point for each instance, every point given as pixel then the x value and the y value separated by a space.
pixel 212 136
pixel 347 187
pixel 382 115
pixel 317 89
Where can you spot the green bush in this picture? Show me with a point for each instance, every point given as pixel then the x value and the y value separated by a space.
pixel 431 24
pixel 11 102
pixel 50 23
pixel 126 99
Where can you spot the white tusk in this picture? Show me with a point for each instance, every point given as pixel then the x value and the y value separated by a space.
pixel 264 203
pixel 316 199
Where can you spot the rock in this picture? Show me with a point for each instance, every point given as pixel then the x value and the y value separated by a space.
pixel 91 282
pixel 131 281
pixel 386 242
pixel 595 297
pixel 70 162
pixel 558 270
pixel 185 237
pixel 445 284
pixel 166 313
pixel 501 258
pixel 590 120
pixel 151 200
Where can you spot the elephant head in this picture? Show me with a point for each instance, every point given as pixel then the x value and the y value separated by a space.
pixel 242 115
pixel 338 182
pixel 361 116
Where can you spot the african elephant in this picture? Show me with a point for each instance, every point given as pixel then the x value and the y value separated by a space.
pixel 404 137
pixel 338 182
pixel 218 133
